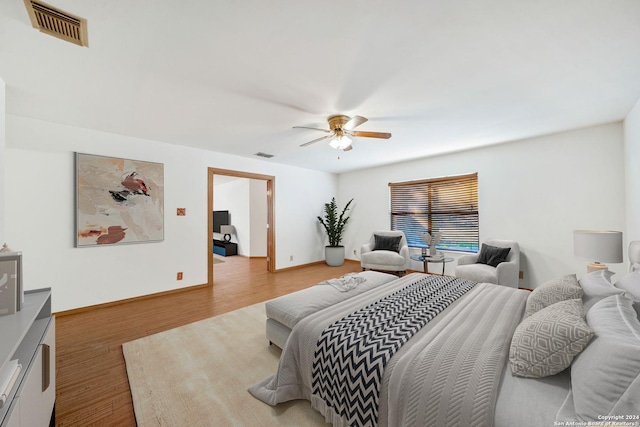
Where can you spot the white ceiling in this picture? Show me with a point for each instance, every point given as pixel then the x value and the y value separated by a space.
pixel 235 76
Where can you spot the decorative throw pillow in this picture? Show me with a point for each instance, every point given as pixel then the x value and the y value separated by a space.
pixel 492 255
pixel 597 285
pixel 546 343
pixel 604 377
pixel 553 291
pixel 387 243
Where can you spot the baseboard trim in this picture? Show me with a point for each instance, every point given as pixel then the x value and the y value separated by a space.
pixel 248 256
pixel 169 292
pixel 127 300
pixel 312 263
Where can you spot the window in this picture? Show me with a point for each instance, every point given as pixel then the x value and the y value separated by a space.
pixel 448 205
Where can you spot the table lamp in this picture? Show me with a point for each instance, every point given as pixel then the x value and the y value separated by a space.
pixel 598 247
pixel 227 230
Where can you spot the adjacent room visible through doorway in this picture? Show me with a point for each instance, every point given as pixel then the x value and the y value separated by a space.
pixel 237 191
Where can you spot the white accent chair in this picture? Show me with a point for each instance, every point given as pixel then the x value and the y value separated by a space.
pixel 385 260
pixel 506 273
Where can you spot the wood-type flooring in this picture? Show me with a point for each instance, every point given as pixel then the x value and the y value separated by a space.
pixel 92 386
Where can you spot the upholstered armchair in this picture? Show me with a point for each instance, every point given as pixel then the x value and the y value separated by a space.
pixel 506 273
pixel 385 251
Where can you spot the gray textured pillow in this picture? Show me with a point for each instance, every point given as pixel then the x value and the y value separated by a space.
pixel 605 377
pixel 553 291
pixel 546 343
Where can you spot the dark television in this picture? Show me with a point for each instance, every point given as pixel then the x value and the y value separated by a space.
pixel 220 218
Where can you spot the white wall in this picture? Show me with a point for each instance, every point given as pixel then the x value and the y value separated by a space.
pixel 246 201
pixel 259 217
pixel 632 172
pixel 233 196
pixel 534 191
pixel 2 159
pixel 39 214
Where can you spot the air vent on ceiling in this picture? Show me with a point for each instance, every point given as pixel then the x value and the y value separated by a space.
pixel 260 154
pixel 57 23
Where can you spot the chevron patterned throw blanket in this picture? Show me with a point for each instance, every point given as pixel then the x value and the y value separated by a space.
pixel 352 353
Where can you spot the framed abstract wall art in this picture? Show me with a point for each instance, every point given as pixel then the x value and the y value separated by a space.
pixel 118 201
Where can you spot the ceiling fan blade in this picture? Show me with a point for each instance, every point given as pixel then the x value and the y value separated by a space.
pixel 354 122
pixel 365 134
pixel 307 127
pixel 315 140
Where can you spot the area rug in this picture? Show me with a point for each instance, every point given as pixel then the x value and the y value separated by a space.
pixel 198 375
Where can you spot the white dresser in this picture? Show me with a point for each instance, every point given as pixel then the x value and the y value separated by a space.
pixel 29 337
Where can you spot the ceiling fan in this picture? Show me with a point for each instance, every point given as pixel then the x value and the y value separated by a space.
pixel 340 128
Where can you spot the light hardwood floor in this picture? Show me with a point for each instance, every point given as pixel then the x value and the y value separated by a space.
pixel 92 386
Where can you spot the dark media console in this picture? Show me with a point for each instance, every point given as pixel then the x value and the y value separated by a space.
pixel 223 248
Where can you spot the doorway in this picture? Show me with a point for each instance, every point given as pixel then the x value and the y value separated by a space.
pixel 270 181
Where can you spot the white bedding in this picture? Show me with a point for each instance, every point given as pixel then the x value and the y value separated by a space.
pixel 291 308
pixel 285 312
pixel 517 399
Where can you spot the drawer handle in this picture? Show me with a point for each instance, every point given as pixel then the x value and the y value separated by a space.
pixel 46 367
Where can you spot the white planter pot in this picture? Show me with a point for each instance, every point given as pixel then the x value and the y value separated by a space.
pixel 334 255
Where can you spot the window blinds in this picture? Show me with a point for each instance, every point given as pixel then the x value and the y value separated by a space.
pixel 448 205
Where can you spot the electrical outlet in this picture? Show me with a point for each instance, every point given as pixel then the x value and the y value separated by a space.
pixel 290 257
pixel 179 275
pixel 355 253
pixel 521 275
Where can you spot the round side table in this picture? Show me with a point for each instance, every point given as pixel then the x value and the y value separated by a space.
pixel 426 259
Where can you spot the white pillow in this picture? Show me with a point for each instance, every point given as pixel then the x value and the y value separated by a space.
pixel 631 285
pixel 596 286
pixel 605 376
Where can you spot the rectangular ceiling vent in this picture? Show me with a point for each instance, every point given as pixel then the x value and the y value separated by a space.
pixel 265 155
pixel 57 23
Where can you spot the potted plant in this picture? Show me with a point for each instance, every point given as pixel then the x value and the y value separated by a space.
pixel 334 226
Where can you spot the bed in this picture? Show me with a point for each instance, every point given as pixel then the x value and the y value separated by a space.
pixel 285 312
pixel 427 350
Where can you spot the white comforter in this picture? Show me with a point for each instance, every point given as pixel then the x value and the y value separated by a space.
pixel 447 374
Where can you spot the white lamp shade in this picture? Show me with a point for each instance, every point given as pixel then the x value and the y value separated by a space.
pixel 600 246
pixel 226 229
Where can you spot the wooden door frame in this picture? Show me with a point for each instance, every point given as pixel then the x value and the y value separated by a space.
pixel 271 242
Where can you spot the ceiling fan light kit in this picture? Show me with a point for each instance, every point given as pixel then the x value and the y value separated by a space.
pixel 340 128
pixel 340 142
